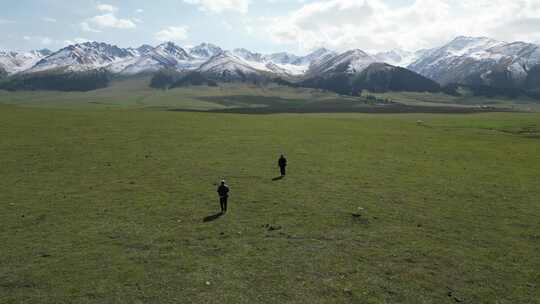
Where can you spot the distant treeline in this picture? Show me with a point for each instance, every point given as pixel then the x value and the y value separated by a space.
pixel 58 81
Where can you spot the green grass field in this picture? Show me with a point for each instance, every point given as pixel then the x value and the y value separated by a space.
pixel 440 99
pixel 136 94
pixel 107 204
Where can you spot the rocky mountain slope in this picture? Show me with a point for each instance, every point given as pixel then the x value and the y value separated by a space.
pixel 480 61
pixel 12 62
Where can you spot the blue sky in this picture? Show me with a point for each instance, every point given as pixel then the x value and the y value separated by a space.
pixel 265 25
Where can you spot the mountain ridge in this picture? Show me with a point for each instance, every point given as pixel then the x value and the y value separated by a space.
pixel 479 61
pixel 472 61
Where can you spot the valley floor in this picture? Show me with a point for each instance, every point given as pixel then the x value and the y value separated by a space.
pixel 135 93
pixel 112 205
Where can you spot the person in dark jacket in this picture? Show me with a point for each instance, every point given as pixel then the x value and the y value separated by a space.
pixel 223 192
pixel 282 163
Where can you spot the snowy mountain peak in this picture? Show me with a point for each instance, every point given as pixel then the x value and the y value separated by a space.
pixel 205 50
pixel 315 57
pixel 281 58
pixel 470 39
pixel 83 56
pixel 97 47
pixel 356 53
pixel 469 46
pixel 320 51
pixel 167 55
pixel 229 66
pixel 353 61
pixel 42 52
pixel 462 60
pixel 172 49
pixel 479 60
pixel 145 48
pixel 14 62
pixel 248 55
pixel 398 57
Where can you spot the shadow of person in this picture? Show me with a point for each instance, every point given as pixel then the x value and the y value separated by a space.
pixel 213 217
pixel 275 179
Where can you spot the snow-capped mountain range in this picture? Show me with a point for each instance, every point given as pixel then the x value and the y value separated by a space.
pixel 479 61
pixel 399 57
pixel 15 62
pixel 130 61
pixel 353 61
pixel 467 60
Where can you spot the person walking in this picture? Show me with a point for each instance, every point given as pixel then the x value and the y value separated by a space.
pixel 282 163
pixel 223 192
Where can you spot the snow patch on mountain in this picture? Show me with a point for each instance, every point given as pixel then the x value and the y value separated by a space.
pixel 231 66
pixel 464 57
pixel 282 58
pixel 82 57
pixel 315 57
pixel 398 57
pixel 351 62
pixel 146 58
pixel 205 51
pixel 165 56
pixel 15 62
pixel 278 63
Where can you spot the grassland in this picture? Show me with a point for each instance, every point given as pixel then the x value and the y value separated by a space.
pixel 136 94
pixel 106 198
pixel 445 100
pixel 106 203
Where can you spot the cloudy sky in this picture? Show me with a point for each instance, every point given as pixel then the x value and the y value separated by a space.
pixel 265 25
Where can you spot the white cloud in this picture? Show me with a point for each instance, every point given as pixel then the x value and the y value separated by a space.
pixel 107 20
pixel 219 6
pixel 111 21
pixel 139 11
pixel 173 33
pixel 374 25
pixel 48 19
pixel 107 8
